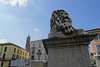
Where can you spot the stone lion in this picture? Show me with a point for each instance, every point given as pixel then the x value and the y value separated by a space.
pixel 60 21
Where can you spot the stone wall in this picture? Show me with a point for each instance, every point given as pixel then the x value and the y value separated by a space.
pixel 71 56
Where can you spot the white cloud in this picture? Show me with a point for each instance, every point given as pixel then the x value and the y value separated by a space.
pixel 22 2
pixel 15 2
pixel 36 29
pixel 3 41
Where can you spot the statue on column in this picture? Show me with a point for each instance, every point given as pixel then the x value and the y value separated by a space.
pixel 60 21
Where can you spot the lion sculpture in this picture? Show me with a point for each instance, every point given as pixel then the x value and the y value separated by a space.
pixel 60 21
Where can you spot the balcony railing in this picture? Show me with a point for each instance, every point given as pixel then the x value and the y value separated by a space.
pixel 32 47
pixel 33 52
pixel 5 58
pixel 39 53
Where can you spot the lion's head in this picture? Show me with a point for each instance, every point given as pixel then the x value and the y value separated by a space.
pixel 60 21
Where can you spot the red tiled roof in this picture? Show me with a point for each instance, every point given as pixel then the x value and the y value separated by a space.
pixel 36 40
pixel 93 29
pixel 96 29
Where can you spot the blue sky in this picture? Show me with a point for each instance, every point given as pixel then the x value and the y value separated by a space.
pixel 20 18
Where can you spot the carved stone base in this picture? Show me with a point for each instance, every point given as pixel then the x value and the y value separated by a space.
pixel 71 56
pixel 60 34
pixel 68 52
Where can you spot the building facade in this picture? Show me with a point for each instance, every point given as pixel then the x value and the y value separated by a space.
pixel 96 42
pixel 95 46
pixel 37 52
pixel 10 51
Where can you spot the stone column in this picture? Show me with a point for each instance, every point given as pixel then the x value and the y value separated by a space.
pixel 66 46
pixel 68 52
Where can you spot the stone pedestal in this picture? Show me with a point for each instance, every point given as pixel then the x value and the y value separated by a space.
pixel 68 52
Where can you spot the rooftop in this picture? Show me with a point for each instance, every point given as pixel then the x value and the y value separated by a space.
pixel 93 29
pixel 36 41
pixel 8 43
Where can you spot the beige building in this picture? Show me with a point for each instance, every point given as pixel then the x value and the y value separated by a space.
pixel 96 42
pixel 37 53
pixel 95 45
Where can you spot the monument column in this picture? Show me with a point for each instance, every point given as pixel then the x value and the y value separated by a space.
pixel 69 52
pixel 66 46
